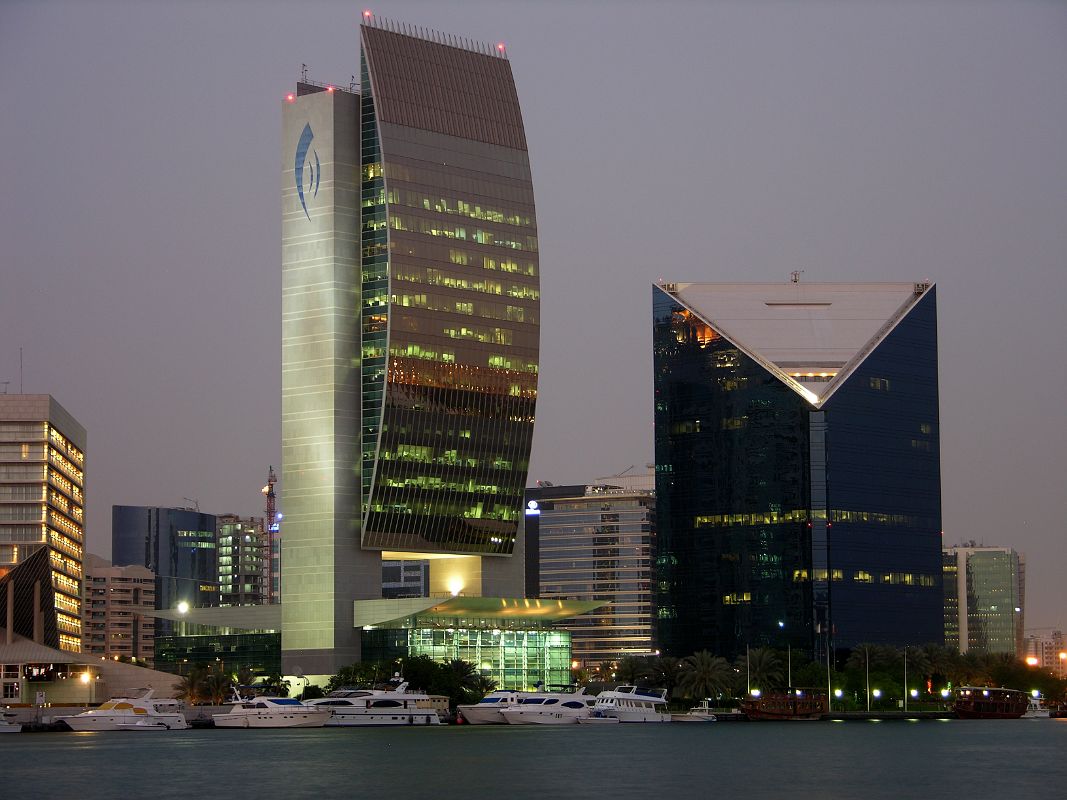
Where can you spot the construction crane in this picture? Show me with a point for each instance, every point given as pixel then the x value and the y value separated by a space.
pixel 271 528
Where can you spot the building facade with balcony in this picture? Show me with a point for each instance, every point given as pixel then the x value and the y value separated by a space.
pixel 116 612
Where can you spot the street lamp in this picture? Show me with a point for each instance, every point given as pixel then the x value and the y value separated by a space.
pixel 788 656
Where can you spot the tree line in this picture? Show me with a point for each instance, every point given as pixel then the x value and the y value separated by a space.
pixel 930 669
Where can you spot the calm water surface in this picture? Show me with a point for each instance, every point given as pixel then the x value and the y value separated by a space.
pixel 952 759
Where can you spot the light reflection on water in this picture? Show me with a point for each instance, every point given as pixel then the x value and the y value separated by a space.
pixel 959 759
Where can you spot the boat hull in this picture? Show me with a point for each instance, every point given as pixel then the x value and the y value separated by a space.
pixel 340 720
pixel 546 718
pixel 299 719
pixel 475 715
pixel 122 722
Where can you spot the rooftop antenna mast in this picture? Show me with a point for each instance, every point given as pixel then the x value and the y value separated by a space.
pixel 195 502
pixel 794 276
pixel 304 73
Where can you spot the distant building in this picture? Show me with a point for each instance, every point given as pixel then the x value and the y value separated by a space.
pixel 798 478
pixel 178 544
pixel 595 542
pixel 244 561
pixel 985 590
pixel 1048 652
pixel 116 612
pixel 42 505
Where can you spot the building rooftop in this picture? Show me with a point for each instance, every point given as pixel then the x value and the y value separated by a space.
pixel 812 335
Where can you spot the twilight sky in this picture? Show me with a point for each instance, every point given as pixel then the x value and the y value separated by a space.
pixel 710 141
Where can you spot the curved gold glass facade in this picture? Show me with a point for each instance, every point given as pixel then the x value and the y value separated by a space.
pixel 450 296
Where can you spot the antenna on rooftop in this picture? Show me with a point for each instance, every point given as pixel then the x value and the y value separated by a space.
pixel 352 84
pixel 304 73
pixel 195 502
pixel 794 276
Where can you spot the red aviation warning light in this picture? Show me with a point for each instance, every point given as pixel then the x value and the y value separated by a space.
pixel 366 14
pixel 289 98
pixel 500 47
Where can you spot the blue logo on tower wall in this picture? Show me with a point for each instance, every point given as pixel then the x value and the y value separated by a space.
pixel 314 171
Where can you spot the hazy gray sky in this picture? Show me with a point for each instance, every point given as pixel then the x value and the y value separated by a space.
pixel 140 219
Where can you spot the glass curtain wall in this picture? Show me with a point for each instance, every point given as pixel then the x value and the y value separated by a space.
pixel 450 298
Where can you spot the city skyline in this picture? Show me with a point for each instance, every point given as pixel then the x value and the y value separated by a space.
pixel 713 143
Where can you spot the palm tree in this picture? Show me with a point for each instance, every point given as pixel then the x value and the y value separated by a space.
pixel 191 687
pixel 705 675
pixel 763 667
pixel 484 685
pixel 666 671
pixel 216 686
pixel 631 669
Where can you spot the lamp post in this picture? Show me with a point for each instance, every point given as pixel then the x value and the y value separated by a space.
pixel 867 665
pixel 788 657
pixel 905 679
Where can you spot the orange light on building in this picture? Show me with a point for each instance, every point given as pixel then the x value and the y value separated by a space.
pixel 1032 661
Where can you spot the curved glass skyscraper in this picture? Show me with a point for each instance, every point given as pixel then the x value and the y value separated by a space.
pixel 410 332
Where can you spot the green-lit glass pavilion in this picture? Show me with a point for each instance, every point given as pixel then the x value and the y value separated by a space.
pixel 409 333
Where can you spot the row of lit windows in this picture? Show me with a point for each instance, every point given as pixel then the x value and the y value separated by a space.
pixel 428 482
pixel 410 224
pixel 463 258
pixel 476 511
pixel 22 493
pixel 60 441
pixel 480 310
pixel 65 603
pixel 61 461
pixel 65 563
pixel 66 584
pixel 443 205
pixel 436 277
pixel 67 545
pixel 67 623
pixel 57 520
pixel 61 482
pixel 494 335
pixel 72 644
pixel 22 452
pixel 802 515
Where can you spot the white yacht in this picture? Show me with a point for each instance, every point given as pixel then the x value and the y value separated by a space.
pixel 8 725
pixel 144 713
pixel 272 712
pixel 378 707
pixel 549 708
pixel 704 712
pixel 1036 709
pixel 488 710
pixel 630 704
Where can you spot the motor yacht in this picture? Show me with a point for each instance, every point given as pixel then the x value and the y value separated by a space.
pixel 272 712
pixel 144 713
pixel 704 712
pixel 630 704
pixel 8 724
pixel 1036 709
pixel 488 710
pixel 549 708
pixel 391 705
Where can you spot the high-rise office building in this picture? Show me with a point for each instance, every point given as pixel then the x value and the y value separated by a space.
pixel 595 542
pixel 985 589
pixel 798 469
pixel 178 545
pixel 410 334
pixel 42 505
pixel 117 612
pixel 244 556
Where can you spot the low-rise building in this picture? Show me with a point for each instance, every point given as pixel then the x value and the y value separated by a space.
pixel 115 619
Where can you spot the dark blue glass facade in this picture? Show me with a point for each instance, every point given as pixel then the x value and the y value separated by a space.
pixel 176 544
pixel 782 523
pixel 884 490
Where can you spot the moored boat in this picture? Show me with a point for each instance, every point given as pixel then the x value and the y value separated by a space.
pixel 630 704
pixel 550 708
pixel 986 702
pixel 272 712
pixel 8 724
pixel 393 705
pixel 786 704
pixel 703 712
pixel 488 710
pixel 1036 709
pixel 130 713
